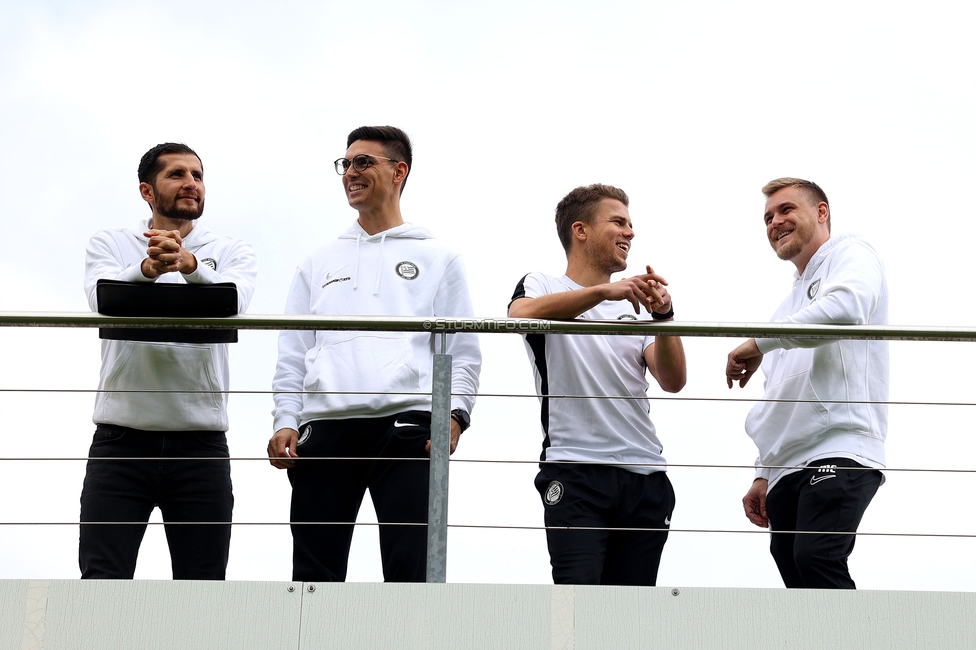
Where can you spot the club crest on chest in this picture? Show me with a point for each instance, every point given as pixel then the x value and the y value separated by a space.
pixel 407 270
pixel 813 289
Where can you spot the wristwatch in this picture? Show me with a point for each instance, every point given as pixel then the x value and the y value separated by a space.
pixel 462 418
pixel 667 316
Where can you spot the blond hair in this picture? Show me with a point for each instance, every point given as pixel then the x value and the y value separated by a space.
pixel 813 191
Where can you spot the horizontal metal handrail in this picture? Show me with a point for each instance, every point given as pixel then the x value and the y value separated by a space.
pixel 495 325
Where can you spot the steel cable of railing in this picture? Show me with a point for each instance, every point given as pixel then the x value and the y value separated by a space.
pixel 478 526
pixel 655 398
pixel 371 524
pixel 496 461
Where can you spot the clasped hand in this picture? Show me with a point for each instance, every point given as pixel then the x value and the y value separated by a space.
pixel 166 254
pixel 648 289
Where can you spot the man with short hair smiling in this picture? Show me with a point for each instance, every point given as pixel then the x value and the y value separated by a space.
pixel 821 425
pixel 366 395
pixel 602 465
pixel 162 399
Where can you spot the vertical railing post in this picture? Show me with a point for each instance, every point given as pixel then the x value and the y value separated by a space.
pixel 440 456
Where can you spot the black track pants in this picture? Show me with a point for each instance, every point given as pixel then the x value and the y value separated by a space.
pixel 822 497
pixel 333 490
pixel 598 496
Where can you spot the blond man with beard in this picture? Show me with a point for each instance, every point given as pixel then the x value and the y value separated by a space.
pixel 821 426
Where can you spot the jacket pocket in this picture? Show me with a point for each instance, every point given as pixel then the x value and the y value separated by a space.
pixel 174 388
pixel 363 367
pixel 776 426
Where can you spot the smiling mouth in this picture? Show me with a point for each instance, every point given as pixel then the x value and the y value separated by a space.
pixel 784 234
pixel 625 247
pixel 356 186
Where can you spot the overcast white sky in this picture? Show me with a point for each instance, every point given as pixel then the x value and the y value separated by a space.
pixel 690 107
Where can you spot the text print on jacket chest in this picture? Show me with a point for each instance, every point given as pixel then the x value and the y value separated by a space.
pixel 334 276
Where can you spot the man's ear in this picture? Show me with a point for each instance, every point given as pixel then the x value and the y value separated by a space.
pixel 823 212
pixel 146 191
pixel 578 229
pixel 400 172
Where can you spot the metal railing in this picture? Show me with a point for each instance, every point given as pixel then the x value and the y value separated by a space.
pixel 441 376
pixel 496 325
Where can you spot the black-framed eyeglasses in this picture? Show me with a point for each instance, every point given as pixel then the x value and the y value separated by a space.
pixel 359 163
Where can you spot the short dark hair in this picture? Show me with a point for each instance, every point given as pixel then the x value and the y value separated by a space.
pixel 395 143
pixel 812 190
pixel 149 166
pixel 580 205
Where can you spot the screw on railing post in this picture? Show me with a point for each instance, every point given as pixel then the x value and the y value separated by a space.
pixel 440 455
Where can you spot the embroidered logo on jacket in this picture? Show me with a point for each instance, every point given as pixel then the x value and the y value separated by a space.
pixel 209 261
pixel 554 493
pixel 407 270
pixel 626 317
pixel 813 288
pixel 331 278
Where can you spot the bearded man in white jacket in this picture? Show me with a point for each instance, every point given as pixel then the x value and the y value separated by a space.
pixel 366 396
pixel 821 426
pixel 162 400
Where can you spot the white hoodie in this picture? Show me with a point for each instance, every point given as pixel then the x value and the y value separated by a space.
pixel 402 271
pixel 200 369
pixel 843 284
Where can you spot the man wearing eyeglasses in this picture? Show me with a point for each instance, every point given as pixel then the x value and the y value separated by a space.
pixel 365 396
pixel 821 425
pixel 602 467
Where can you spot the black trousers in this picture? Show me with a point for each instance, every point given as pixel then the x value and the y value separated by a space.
pixel 598 496
pixel 333 490
pixel 195 487
pixel 822 497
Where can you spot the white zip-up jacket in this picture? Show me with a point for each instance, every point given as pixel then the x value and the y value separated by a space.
pixel 843 284
pixel 402 271
pixel 200 369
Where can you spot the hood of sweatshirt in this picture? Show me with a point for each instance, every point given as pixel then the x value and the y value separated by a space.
pixel 818 258
pixel 403 231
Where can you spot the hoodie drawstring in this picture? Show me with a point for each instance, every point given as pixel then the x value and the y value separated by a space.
pixel 379 267
pixel 355 277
